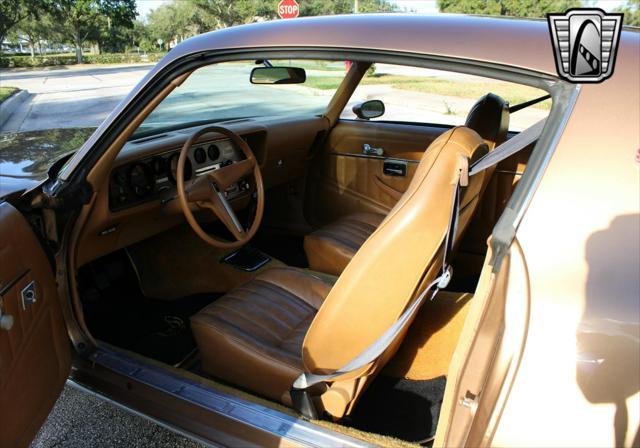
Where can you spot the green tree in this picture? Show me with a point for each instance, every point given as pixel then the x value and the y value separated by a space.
pixel 631 12
pixel 162 24
pixel 32 30
pixel 13 12
pixel 328 7
pixel 513 8
pixel 216 14
pixel 140 36
pixel 82 18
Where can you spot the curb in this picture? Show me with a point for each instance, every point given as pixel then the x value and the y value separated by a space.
pixel 11 104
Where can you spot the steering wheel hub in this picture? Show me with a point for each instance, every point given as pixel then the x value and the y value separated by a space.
pixel 208 190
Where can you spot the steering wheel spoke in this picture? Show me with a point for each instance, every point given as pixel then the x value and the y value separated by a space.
pixel 219 204
pixel 226 176
pixel 208 191
pixel 199 190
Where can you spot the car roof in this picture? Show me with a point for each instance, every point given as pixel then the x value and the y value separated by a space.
pixel 519 43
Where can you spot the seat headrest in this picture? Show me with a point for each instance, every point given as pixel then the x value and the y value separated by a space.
pixel 489 117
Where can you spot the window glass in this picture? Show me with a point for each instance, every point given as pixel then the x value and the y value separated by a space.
pixel 224 92
pixel 420 95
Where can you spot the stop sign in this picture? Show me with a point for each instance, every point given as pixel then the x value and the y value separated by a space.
pixel 288 9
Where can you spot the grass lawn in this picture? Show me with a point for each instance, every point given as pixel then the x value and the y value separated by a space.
pixel 513 93
pixel 6 92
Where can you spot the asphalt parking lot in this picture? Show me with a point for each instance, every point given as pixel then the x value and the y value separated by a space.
pixel 82 420
pixel 70 96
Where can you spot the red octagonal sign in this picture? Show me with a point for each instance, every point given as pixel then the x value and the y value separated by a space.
pixel 288 9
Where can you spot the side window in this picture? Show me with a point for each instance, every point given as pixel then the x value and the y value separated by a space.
pixel 425 96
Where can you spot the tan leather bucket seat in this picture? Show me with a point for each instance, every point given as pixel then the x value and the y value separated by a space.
pixel 330 248
pixel 265 333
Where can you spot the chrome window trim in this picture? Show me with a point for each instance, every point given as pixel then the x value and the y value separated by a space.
pixel 565 96
pixel 371 157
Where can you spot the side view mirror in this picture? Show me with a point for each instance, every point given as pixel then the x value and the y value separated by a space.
pixel 278 75
pixel 369 109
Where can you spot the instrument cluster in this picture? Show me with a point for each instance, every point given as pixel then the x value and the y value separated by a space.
pixel 149 178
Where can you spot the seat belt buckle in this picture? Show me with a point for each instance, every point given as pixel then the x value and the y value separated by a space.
pixel 445 277
pixel 303 403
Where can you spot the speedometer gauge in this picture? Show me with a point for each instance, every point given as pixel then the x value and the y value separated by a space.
pixel 173 168
pixel 141 179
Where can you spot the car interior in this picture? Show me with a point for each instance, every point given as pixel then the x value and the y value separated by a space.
pixel 249 248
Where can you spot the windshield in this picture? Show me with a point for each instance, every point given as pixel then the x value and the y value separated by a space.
pixel 223 91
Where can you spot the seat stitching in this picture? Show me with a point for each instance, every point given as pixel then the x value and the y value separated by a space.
pixel 254 322
pixel 266 299
pixel 354 228
pixel 278 287
pixel 356 233
pixel 297 327
pixel 358 223
pixel 348 244
pixel 279 290
pixel 218 330
pixel 245 300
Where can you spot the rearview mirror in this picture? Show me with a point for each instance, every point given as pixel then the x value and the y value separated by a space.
pixel 369 109
pixel 278 75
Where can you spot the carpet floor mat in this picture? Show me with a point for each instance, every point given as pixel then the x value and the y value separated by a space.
pixel 286 248
pixel 117 312
pixel 401 408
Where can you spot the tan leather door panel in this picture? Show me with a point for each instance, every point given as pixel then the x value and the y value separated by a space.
pixel 35 352
pixel 347 181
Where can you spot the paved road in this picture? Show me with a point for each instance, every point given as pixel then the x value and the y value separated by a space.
pixel 84 96
pixel 69 96
pixel 80 420
pixel 79 96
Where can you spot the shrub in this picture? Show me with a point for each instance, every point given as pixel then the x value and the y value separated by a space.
pixel 38 61
pixel 68 59
pixel 371 71
pixel 121 58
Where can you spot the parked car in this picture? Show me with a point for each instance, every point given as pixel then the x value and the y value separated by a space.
pixel 269 242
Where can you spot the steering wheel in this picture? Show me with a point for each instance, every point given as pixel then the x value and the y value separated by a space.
pixel 208 191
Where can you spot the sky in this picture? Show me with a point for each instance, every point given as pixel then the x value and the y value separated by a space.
pixel 419 6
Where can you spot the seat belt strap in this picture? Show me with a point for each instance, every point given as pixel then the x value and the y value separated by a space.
pixel 452 228
pixel 300 397
pixel 299 391
pixel 508 148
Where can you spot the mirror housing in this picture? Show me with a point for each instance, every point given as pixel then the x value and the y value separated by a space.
pixel 369 109
pixel 278 75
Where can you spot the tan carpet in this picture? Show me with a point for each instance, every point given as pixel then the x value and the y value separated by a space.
pixel 177 263
pixel 429 345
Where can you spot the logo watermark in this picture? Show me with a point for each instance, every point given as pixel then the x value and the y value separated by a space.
pixel 585 41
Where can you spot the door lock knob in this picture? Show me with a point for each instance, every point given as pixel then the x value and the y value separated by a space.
pixel 369 150
pixel 6 321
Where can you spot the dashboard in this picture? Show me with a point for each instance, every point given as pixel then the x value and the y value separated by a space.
pixel 137 196
pixel 154 177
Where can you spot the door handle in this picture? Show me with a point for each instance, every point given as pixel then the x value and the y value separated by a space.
pixel 29 295
pixel 369 150
pixel 393 167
